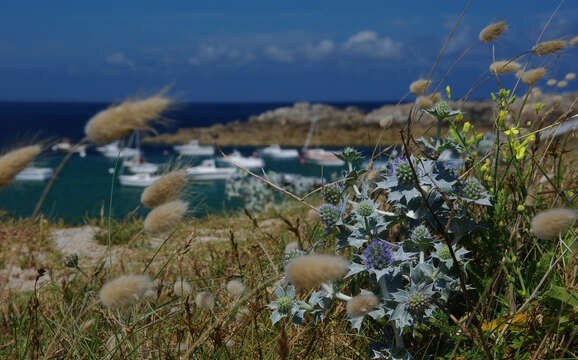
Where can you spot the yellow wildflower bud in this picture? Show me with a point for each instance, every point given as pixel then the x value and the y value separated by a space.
pixel 467 126
pixel 459 117
pixel 531 137
pixel 449 92
pixel 521 208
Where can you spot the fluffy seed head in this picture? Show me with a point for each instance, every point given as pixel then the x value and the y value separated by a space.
pixel 504 66
pixel 125 290
pixel 165 217
pixel 361 305
pixel 551 82
pixel 120 120
pixel 15 161
pixel 570 76
pixel 531 77
pixel 424 102
pixel 205 300
pixel 311 270
pixel 573 41
pixel 548 224
pixel 182 288
pixel 435 97
pixel 548 47
pixel 562 84
pixel 492 31
pixel 235 288
pixel 419 87
pixel 167 188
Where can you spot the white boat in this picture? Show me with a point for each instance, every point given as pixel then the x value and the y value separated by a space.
pixel 140 180
pixel 113 151
pixel 247 162
pixel 32 173
pixel 322 157
pixel 194 149
pixel 65 145
pixel 208 171
pixel 275 151
pixel 138 165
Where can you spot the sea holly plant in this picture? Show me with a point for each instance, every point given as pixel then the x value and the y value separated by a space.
pixel 412 276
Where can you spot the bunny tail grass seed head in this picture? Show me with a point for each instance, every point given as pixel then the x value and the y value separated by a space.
pixel 130 115
pixel 205 300
pixel 311 270
pixel 548 224
pixel 419 87
pixel 573 41
pixel 548 47
pixel 235 288
pixel 531 77
pixel 165 217
pixel 15 161
pixel 424 102
pixel 551 82
pixel 361 305
pixel 125 290
pixel 492 31
pixel 167 188
pixel 562 84
pixel 570 76
pixel 182 288
pixel 503 67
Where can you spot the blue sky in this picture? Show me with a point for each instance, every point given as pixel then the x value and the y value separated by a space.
pixel 294 50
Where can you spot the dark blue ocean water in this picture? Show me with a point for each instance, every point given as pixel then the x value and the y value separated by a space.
pixel 83 189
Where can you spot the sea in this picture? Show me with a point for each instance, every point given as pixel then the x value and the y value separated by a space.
pixel 85 189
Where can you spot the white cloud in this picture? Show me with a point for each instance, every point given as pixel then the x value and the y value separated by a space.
pixel 320 50
pixel 278 54
pixel 119 58
pixel 368 43
pixel 209 54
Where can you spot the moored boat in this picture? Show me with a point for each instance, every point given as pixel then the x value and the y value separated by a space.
pixel 276 152
pixel 193 148
pixel 207 170
pixel 32 173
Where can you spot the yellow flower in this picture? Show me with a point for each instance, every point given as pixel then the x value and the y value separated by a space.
pixel 467 126
pixel 486 166
pixel 511 131
pixel 520 150
pixel 449 92
pixel 521 208
pixel 531 137
pixel 502 117
pixel 459 117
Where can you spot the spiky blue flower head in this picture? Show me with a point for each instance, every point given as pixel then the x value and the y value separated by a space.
pixel 377 255
pixel 365 208
pixel 472 189
pixel 403 172
pixel 442 109
pixel 332 194
pixel 350 155
pixel 329 214
pixel 444 253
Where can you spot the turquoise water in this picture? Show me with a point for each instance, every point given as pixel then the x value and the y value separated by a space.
pixel 83 188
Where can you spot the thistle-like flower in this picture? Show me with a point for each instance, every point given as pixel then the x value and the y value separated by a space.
pixel 165 217
pixel 125 290
pixel 377 255
pixel 403 172
pixel 332 194
pixel 419 87
pixel 417 303
pixel 235 288
pixel 548 224
pixel 503 67
pixel 365 208
pixel 167 188
pixel 472 189
pixel 413 305
pixel 329 214
pixel 548 47
pixel 15 161
pixel 309 271
pixel 205 300
pixel 360 305
pixel 492 31
pixel 421 237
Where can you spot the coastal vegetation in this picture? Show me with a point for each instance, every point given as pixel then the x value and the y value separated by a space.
pixel 472 257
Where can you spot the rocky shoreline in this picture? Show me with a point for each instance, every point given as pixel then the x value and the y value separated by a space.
pixel 288 126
